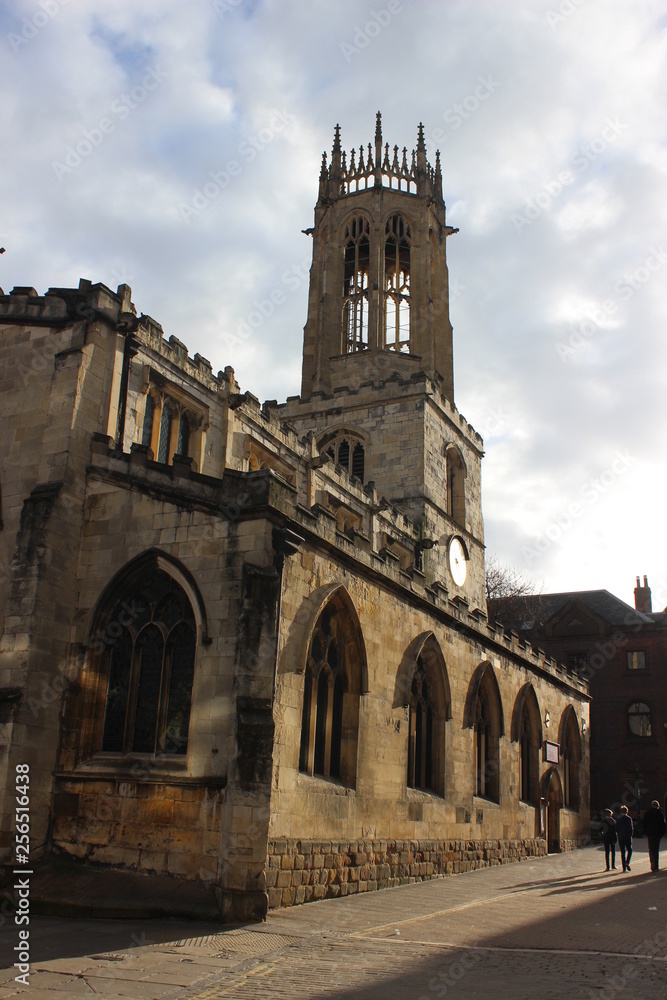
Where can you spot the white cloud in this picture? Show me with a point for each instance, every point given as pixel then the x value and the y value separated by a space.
pixel 513 100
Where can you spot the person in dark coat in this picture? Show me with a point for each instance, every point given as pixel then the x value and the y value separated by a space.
pixel 654 827
pixel 625 829
pixel 609 837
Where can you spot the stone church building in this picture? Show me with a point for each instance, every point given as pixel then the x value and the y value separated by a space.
pixel 245 647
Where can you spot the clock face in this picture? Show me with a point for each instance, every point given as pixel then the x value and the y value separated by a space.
pixel 457 561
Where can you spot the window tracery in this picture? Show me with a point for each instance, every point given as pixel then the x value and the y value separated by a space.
pixel 149 667
pixel 397 284
pixel 356 284
pixel 348 453
pixel 330 716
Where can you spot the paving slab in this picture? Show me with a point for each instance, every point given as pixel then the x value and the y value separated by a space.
pixel 558 927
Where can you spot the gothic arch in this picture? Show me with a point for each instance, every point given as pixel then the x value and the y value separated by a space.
pixel 455 477
pixel 425 645
pixel 525 697
pixel 396 284
pixel 570 755
pixel 422 686
pixel 348 447
pixel 484 714
pixel 526 730
pixel 140 660
pixel 335 675
pixel 483 673
pixel 132 572
pixel 356 242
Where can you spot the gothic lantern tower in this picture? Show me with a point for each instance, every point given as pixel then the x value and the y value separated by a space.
pixel 379 289
pixel 377 386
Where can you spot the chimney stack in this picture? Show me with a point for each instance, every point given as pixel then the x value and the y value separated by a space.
pixel 643 597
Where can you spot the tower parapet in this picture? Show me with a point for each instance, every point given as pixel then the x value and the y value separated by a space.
pixel 377 168
pixel 379 286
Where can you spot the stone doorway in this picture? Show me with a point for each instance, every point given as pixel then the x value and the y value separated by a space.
pixel 552 791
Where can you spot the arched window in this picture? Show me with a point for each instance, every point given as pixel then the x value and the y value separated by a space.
pixel 348 453
pixel 487 724
pixel 166 421
pixel 149 414
pixel 455 483
pixel 639 719
pixel 148 661
pixel 421 731
pixel 570 752
pixel 355 289
pixel 330 718
pixel 527 731
pixel 397 284
pixel 183 441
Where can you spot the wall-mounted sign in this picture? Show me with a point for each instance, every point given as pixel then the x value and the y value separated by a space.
pixel 551 752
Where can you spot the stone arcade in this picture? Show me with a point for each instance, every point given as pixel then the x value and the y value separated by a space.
pixel 246 645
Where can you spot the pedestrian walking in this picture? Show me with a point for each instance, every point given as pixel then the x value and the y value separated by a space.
pixel 625 829
pixel 654 827
pixel 609 838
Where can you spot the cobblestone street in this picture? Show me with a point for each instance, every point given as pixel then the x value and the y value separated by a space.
pixel 557 927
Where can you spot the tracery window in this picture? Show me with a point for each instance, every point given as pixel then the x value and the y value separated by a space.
pixel 349 454
pixel 183 440
pixel 148 660
pixel 570 753
pixel 166 420
pixel 356 283
pixel 422 749
pixel 639 719
pixel 530 738
pixel 397 284
pixel 149 416
pixel 486 747
pixel 455 484
pixel 167 427
pixel 330 717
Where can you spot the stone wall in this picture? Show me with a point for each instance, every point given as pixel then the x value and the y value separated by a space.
pixel 299 871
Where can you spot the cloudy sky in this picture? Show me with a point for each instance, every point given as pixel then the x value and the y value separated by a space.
pixel 176 146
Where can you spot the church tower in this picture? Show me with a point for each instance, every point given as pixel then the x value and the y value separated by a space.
pixel 379 289
pixel 378 378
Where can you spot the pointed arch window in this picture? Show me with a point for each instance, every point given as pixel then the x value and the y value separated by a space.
pixel 149 664
pixel 330 718
pixel 421 731
pixel 528 733
pixel 487 749
pixel 570 753
pixel 356 283
pixel 455 475
pixel 397 285
pixel 348 453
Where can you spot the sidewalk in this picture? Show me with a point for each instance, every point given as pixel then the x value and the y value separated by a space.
pixel 557 927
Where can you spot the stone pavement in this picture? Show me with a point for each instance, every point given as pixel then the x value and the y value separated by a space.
pixel 557 927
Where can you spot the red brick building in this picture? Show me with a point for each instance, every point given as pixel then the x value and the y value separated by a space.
pixel 622 651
